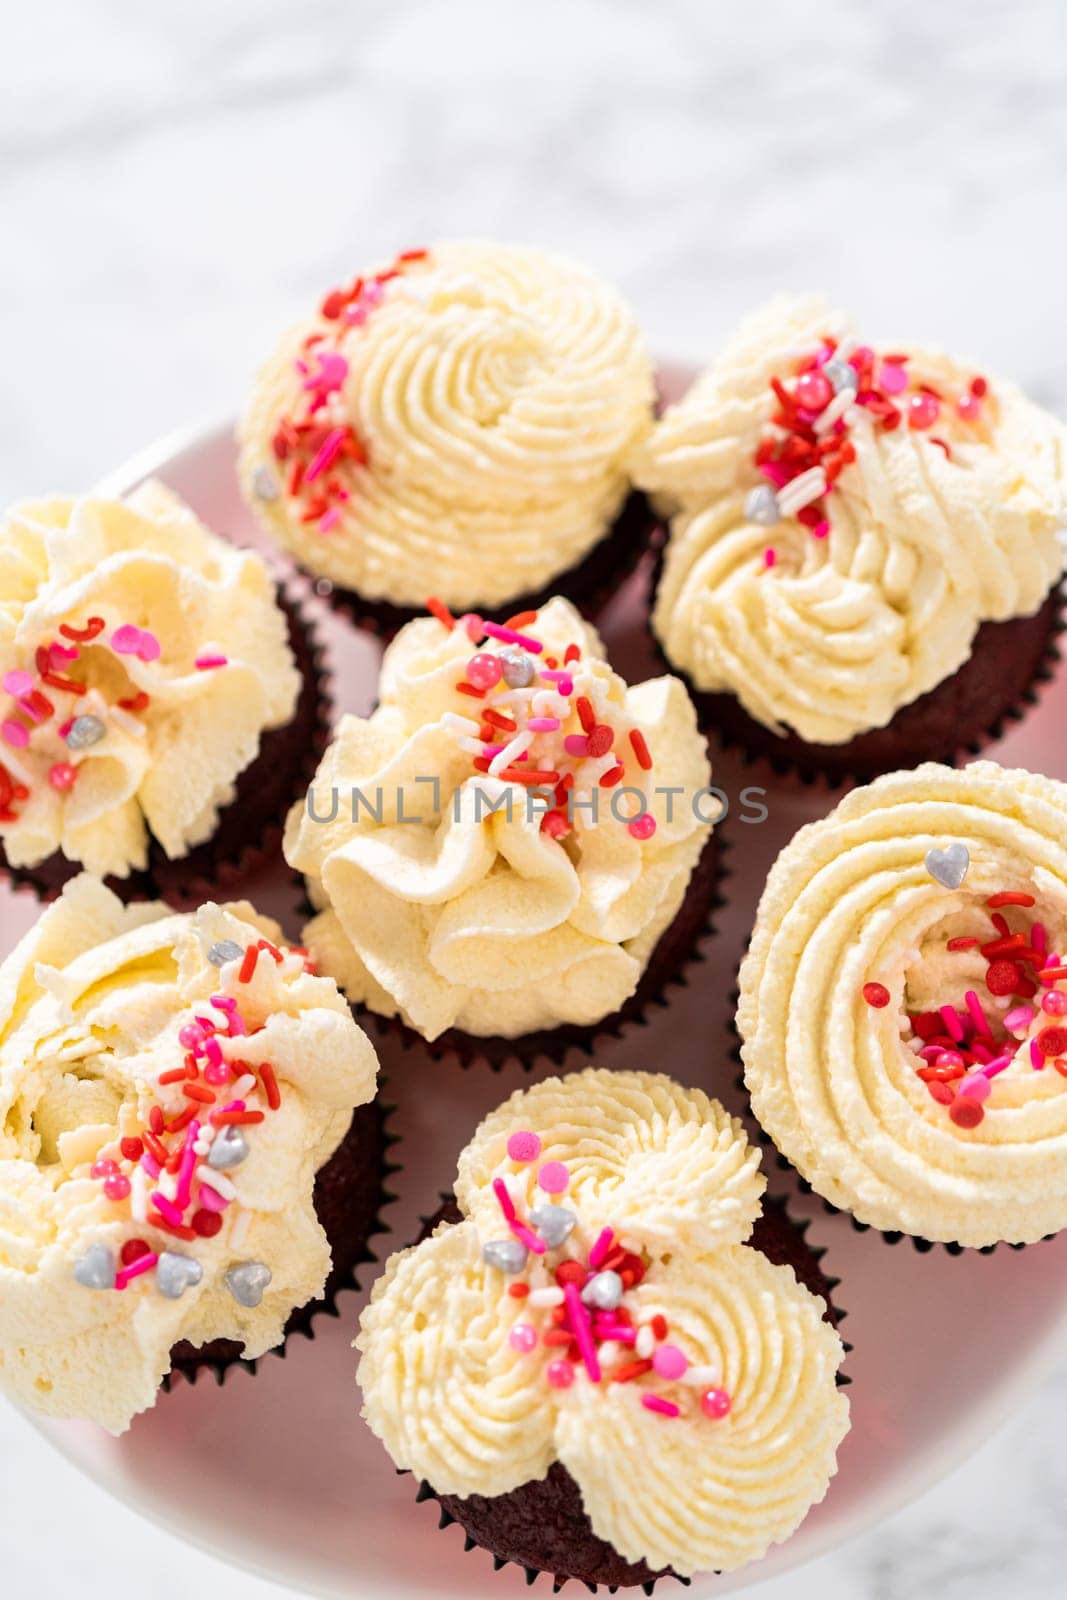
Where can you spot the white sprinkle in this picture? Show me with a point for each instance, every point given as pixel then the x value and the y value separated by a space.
pixel 645 1344
pixel 835 410
pixel 610 1353
pixel 239 1230
pixel 802 491
pixel 702 1377
pixel 217 1181
pixel 139 1194
pixel 244 1086
pixel 473 747
pixel 458 724
pixel 127 722
pixel 545 1297
pixel 511 752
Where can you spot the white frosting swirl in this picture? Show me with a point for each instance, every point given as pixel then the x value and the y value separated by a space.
pixel 834 1079
pixel 91 1004
pixel 450 914
pixel 495 391
pixel 165 767
pixel 456 1402
pixel 923 545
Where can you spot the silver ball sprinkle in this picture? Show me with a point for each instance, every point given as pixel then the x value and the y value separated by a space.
pixel 949 867
pixel 509 1255
pixel 175 1273
pixel 761 506
pixel 604 1291
pixel 96 1268
pixel 85 731
pixel 247 1282
pixel 225 950
pixel 555 1224
pixel 264 484
pixel 839 375
pixel 228 1149
pixel 519 668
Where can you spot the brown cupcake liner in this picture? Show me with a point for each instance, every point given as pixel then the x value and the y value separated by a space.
pixel 555 1501
pixel 351 1195
pixel 952 723
pixel 679 947
pixel 589 585
pixel 249 830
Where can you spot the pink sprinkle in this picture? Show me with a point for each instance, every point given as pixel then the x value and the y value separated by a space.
pixel 185 1170
pixel 326 454
pixel 330 374
pixel 642 827
pixel 1039 937
pixel 953 1026
pixel 191 1036
pixel 509 636
pixel 891 378
pixel 617 1331
pixel 976 1086
pixel 666 1408
pixel 930 1052
pixel 1037 1059
pixel 151 1165
pixel 1021 1017
pixel 208 663
pixel 563 680
pixel 213 1051
pixel 523 1337
pixel 15 734
pixel 143 1263
pixel 210 1198
pixel 18 683
pixel 492 750
pixel 524 1146
pixel 554 1177
pixel 507 1205
pixel 670 1362
pixel 329 519
pixel 560 1374
pixel 543 724
pixel 579 1321
pixel 234 1105
pixel 978 1016
pixel 981 1052
pixel 821 529
pixel 770 557
pixel 601 1249
pixel 166 1208
pixel 63 652
pixel 576 744
pixel 523 1234
pixel 994 1067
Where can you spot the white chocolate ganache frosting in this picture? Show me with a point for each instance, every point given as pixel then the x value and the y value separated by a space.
pixel 598 1306
pixel 495 847
pixel 844 520
pixel 142 658
pixel 169 1087
pixel 903 1005
pixel 456 424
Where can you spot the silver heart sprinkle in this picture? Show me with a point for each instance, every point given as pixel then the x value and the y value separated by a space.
pixel 761 506
pixel 96 1268
pixel 509 1255
pixel 247 1282
pixel 175 1273
pixel 85 731
pixel 225 950
pixel 555 1224
pixel 265 484
pixel 949 867
pixel 840 375
pixel 228 1149
pixel 604 1291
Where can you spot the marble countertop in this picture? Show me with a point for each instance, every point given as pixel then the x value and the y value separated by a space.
pixel 176 182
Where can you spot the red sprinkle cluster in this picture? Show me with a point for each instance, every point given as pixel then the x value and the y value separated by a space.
pixel 795 443
pixel 962 1043
pixel 311 448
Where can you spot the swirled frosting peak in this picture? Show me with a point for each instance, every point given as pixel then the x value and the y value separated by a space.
pixel 903 1002
pixel 843 520
pixel 498 847
pixel 597 1306
pixel 169 1087
pixel 141 659
pixel 456 424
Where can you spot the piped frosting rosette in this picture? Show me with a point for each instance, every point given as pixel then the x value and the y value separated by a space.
pixel 455 424
pixel 902 1005
pixel 169 1087
pixel 598 1306
pixel 141 660
pixel 495 849
pixel 843 520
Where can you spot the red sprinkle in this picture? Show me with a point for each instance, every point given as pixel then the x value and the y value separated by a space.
pixel 518 1291
pixel 659 1326
pixel 1003 978
pixel 206 1223
pixel 640 749
pixel 236 1119
pixel 632 1369
pixel 570 1272
pixel 133 1150
pixel 586 715
pixel 966 1111
pixel 1009 897
pixel 438 609
pixel 876 994
pixel 133 1250
pixel 1052 1041
pixel 198 1092
pixel 964 943
pixel 600 740
pixel 248 965
pixel 270 1084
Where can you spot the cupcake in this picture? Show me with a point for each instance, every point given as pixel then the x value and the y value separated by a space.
pixel 586 1363
pixel 863 559
pixel 176 1099
pixel 154 722
pixel 903 1005
pixel 515 847
pixel 457 424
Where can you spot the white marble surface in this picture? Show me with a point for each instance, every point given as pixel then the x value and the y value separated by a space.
pixel 177 180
